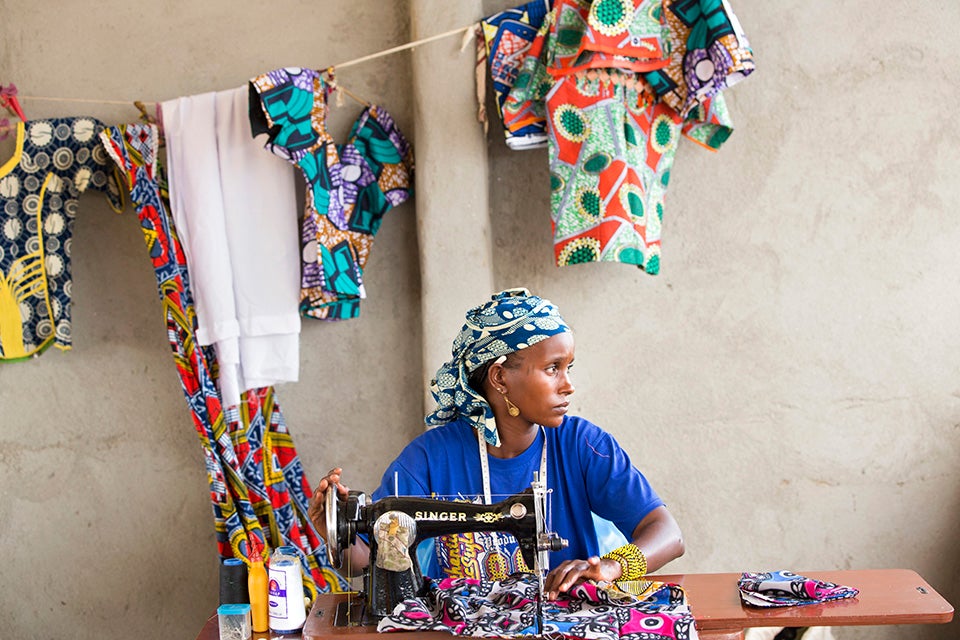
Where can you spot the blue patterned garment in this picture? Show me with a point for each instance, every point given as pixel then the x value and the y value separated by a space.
pixel 511 321
pixel 54 162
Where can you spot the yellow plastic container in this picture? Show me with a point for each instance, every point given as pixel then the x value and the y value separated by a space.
pixel 257 585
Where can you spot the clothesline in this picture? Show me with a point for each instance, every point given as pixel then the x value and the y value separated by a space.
pixel 410 45
pixel 339 87
pixel 467 31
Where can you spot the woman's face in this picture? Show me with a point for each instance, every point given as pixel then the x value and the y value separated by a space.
pixel 538 381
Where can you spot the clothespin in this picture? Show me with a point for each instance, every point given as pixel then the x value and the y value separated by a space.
pixel 144 116
pixel 156 119
pixel 333 86
pixel 8 99
pixel 479 71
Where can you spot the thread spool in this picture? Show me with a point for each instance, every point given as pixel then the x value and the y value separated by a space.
pixel 233 582
pixel 287 611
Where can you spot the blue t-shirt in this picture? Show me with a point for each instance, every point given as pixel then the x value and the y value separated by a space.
pixel 587 473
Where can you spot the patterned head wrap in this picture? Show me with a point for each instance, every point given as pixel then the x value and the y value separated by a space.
pixel 511 321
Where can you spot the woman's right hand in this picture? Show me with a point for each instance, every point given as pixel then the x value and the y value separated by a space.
pixel 317 510
pixel 357 556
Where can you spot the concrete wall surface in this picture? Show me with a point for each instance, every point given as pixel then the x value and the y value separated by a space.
pixel 789 382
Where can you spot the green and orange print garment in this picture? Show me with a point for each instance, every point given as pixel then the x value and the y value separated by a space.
pixel 611 151
pixel 619 82
pixel 612 143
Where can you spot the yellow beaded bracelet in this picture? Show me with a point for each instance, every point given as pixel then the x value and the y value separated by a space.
pixel 633 564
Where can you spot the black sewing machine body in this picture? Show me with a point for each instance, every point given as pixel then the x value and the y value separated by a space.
pixel 396 525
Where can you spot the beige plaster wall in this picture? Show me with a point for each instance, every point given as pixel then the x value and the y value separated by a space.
pixel 789 382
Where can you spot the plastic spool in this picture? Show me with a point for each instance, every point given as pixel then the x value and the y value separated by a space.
pixel 285 592
pixel 233 582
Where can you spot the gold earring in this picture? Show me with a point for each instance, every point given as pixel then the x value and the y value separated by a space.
pixel 512 409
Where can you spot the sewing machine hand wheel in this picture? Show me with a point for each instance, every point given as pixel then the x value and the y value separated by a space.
pixel 341 516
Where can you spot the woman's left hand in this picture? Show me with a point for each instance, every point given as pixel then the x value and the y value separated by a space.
pixel 572 572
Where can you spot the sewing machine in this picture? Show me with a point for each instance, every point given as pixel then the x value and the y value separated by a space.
pixel 396 525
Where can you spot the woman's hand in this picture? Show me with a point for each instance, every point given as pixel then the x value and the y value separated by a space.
pixel 318 504
pixel 658 535
pixel 572 572
pixel 355 558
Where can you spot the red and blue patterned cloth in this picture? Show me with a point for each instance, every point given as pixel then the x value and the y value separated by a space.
pixel 259 492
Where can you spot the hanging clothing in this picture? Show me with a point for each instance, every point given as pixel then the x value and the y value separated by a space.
pixel 612 135
pixel 235 207
pixel 507 36
pixel 259 492
pixel 349 187
pixel 54 161
pixel 508 608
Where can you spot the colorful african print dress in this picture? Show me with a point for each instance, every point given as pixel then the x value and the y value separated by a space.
pixel 54 162
pixel 619 82
pixel 259 491
pixel 349 187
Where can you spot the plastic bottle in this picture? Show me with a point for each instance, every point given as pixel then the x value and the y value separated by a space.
pixel 287 611
pixel 257 586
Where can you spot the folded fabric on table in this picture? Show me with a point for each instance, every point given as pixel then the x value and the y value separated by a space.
pixel 785 589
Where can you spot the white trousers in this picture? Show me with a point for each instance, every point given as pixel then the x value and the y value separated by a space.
pixel 234 206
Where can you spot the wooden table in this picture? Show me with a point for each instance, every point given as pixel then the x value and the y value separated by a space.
pixel 887 596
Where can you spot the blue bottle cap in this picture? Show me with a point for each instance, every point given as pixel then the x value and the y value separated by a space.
pixel 232 562
pixel 233 609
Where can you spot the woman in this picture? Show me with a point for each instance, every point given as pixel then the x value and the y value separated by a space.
pixel 502 415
